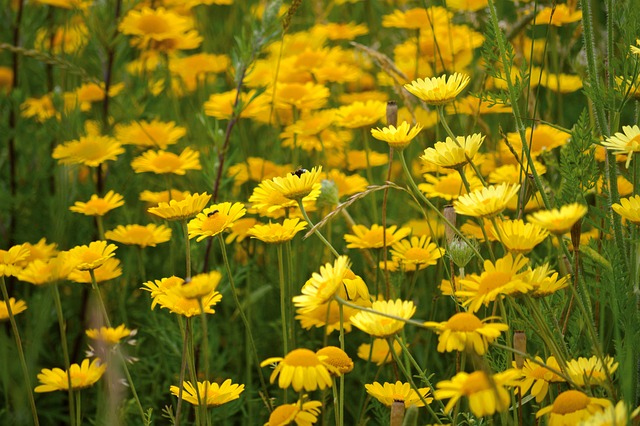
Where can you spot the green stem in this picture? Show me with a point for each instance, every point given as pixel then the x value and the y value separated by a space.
pixel 100 225
pixel 204 351
pixel 65 348
pixel 183 367
pixel 341 400
pixel 316 231
pixel 132 386
pixel 78 407
pixel 336 401
pixel 96 290
pixel 284 298
pixel 201 409
pixel 185 230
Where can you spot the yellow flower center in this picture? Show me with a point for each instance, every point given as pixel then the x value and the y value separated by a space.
pixel 634 143
pixel 451 186
pixel 98 204
pixel 464 321
pixel 570 402
pixel 417 254
pixel 476 382
pixel 493 280
pixel 538 372
pixel 301 358
pixel 152 24
pixel 283 414
pixel 215 223
pixel 168 161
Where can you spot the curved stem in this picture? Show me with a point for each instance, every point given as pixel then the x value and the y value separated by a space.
pixel 316 231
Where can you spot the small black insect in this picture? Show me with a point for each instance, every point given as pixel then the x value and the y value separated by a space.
pixel 213 213
pixel 299 172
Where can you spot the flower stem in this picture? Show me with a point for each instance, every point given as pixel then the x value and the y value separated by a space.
pixel 185 230
pixel 96 289
pixel 65 348
pixel 315 231
pixel 284 298
pixel 183 367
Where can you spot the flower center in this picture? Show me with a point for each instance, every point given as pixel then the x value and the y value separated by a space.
pixel 167 161
pixel 215 223
pixel 283 414
pixel 476 382
pixel 634 144
pixel 416 254
pixel 464 321
pixel 301 358
pixel 570 402
pixel 151 24
pixel 493 280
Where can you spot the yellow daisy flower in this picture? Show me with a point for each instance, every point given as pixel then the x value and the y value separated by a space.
pixel 199 286
pixel 161 162
pixel 438 90
pixel 378 352
pixel 301 369
pixel 336 357
pixel 397 138
pixel 17 306
pixel 360 114
pixel 159 29
pixel 313 313
pixel 538 378
pixel 109 270
pixel 519 237
pixel 11 259
pixel 41 108
pixel 464 331
pixel 346 184
pixel 625 142
pixel 452 154
pixel 215 219
pixel 39 251
pixel 383 326
pixel 82 376
pixel 300 413
pixel 448 186
pixel 613 415
pixel 90 151
pixel 418 253
pixel 559 221
pixel 39 272
pixel 561 83
pixel 268 201
pixel 183 209
pixel 302 96
pixel 486 202
pixel 388 393
pixel 69 38
pixel 275 233
pixel 629 208
pixel 542 138
pixel 474 106
pixel 256 169
pixel 299 184
pixel 467 5
pixel 357 160
pixel 140 235
pixel 220 105
pixel 154 134
pixel 591 371
pixel 211 394
pixel 557 16
pixel 336 31
pixel 572 406
pixel 544 281
pixel 240 230
pixel 170 294
pixel 163 196
pixel 91 256
pixel 98 206
pixel 193 69
pixel 366 238
pixel 109 335
pixel 322 286
pixel 416 18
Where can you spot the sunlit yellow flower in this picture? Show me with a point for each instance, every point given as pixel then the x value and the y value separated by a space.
pixel 269 201
pixel 183 209
pixel 322 286
pixel 163 196
pixel 438 90
pixel 159 29
pixel 311 312
pixel 220 105
pixel 612 416
pixel 41 108
pixel 357 160
pixel 625 142
pixel 558 15
pixel 185 298
pixel 398 138
pixel 388 393
pixel 448 186
pixel 274 233
pixel 11 259
pixel 336 31
pixel 337 358
pixel 538 378
pixel 474 106
pixel 141 235
pixel 154 134
pixel 298 184
pixel 39 272
pixel 360 114
pixel 572 406
pixel 486 395
pixel 16 308
pixel 346 184
pixel 215 219
pixel 364 238
pixel 416 18
pixel 161 162
pixel 542 138
pixel 383 326
pixel 559 221
pixel 210 394
pixel 98 206
pixel 380 353
pixel 418 253
pixel 514 173
pixel 300 413
pixel 561 83
pixel 467 5
pixel 629 208
pixel 301 369
pixel 453 154
pixel 519 237
pixel 109 335
pixel 464 331
pixel 91 256
pixel 256 169
pixel 486 202
pixel 91 150
pixel 193 69
pixel 302 96
pixel 591 371
pixel 82 376
pixel 544 281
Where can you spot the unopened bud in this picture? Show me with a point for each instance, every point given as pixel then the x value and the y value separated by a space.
pixel 461 252
pixel 329 195
pixel 392 114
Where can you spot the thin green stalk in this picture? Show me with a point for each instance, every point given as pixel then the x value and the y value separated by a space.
pixel 96 290
pixel 185 230
pixel 65 348
pixel 183 367
pixel 201 409
pixel 336 400
pixel 78 407
pixel 316 231
pixel 23 361
pixel 204 351
pixel 290 281
pixel 341 400
pixel 367 150
pixel 284 298
pixel 100 225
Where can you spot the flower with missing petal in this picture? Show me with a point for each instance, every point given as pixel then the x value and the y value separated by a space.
pixel 209 394
pixel 16 308
pixel 438 90
pixel 397 137
pixel 98 206
pixel 215 219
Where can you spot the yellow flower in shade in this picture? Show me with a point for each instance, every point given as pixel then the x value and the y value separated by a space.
pixel 448 186
pixel 240 230
pixel 591 371
pixel 416 18
pixel 161 162
pixel 360 114
pixel 92 256
pixel 613 415
pixel 268 201
pixel 383 326
pixel 163 196
pixel 109 270
pixel 337 358
pixel 215 219
pixel 16 308
pixel 90 151
pixel 109 335
pixel 336 31
pixel 486 202
pixel 183 209
pixel 366 238
pixel 497 280
pixel 453 154
pixel 519 237
pixel 388 393
pixel 210 394
pixel 544 281
pixel 465 331
pixel 418 253
pixel 300 413
pixel 629 208
pixel 220 105
pixel 11 259
pixel 357 160
pixel 537 378
pixel 154 134
pixel 302 96
pixel 467 5
pixel 625 142
pixel 380 352
pixel 438 90
pixel 256 169
pixel 98 206
pixel 39 251
pixel 558 15
pixel 572 406
pixel 82 376
pixel 140 235
pixel 184 298
pixel 39 272
pixel 323 285
pixel 542 138
pixel 559 221
pixel 298 184
pixel 397 138
pixel 486 395
pixel 193 69
pixel 301 369
pixel 6 80
pixel 275 233
pixel 472 105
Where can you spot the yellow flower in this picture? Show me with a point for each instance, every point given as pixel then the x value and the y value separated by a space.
pixel 514 173
pixel 301 369
pixel 438 90
pixel 10 259
pixel 397 138
pixel 240 230
pixel 39 272
pixel 464 331
pixel 70 38
pixel 629 208
pixel 383 326
pixel 418 253
pixel 559 221
pixel 572 406
pixel 256 169
pixel 389 393
pixel 140 235
pixel 215 219
pixel 159 29
pixel 302 96
pixel 109 270
pixel 16 308
pixel 380 353
pixel 453 154
pixel 161 162
pixel 300 413
pixel 448 186
pixel 313 313
pixel 199 286
pixel 627 142
pixel 486 202
pixel 337 358
pixel 98 206
pixel 539 140
pixel 561 83
pixel 299 184
pixel 6 80
pixel 336 31
pixel 416 18
pixel 154 134
pixel 467 5
pixel 346 184
pixel 268 201
pixel 558 15
pixel 184 299
pixel 591 371
pixel 364 238
pixel 497 280
pixel 360 114
pixel 519 237
pixel 275 233
pixel 472 105
pixel 163 196
pixel 612 416
pixel 92 256
pixel 537 378
pixel 193 69
pixel 90 151
pixel 322 286
pixel 357 160
pixel 220 105
pixel 183 209
pixel 109 335
pixel 211 394
pixel 82 376
pixel 544 281
pixel 486 395
pixel 41 108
